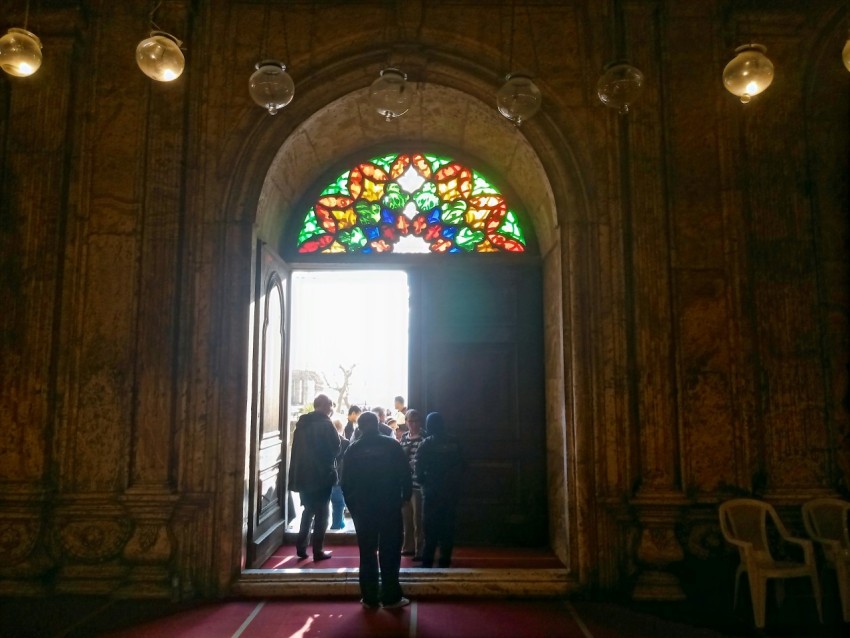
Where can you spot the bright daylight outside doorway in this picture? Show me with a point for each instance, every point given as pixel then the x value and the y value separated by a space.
pixel 349 340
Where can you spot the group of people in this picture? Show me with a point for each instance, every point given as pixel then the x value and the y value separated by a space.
pixel 402 492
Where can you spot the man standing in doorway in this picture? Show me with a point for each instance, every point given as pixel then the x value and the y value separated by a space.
pixel 376 483
pixel 440 463
pixel 400 415
pixel 383 428
pixel 414 530
pixel 351 425
pixel 312 473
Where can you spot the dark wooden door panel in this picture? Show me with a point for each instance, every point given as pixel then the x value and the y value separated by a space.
pixel 478 359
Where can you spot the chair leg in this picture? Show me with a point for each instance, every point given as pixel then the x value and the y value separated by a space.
pixel 780 592
pixel 758 588
pixel 842 571
pixel 737 584
pixel 816 590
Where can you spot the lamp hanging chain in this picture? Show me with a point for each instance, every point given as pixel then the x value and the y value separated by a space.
pixel 154 25
pixel 513 32
pixel 264 38
pixel 619 30
pixel 26 15
pixel 536 68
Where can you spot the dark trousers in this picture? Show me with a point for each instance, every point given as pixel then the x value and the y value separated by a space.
pixel 379 536
pixel 316 505
pixel 438 518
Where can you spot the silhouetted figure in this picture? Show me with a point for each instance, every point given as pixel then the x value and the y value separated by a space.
pixel 376 483
pixel 312 473
pixel 353 412
pixel 439 464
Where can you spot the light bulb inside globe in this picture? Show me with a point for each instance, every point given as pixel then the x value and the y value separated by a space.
pixel 749 73
pixel 390 95
pixel 518 98
pixel 270 86
pixel 20 53
pixel 160 58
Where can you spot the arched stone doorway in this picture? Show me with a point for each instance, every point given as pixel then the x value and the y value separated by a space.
pixel 447 117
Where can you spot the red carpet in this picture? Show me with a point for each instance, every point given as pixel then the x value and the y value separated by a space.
pixel 470 557
pixel 422 619
pixel 347 619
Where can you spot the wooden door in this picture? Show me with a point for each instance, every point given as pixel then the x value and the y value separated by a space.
pixel 477 358
pixel 267 509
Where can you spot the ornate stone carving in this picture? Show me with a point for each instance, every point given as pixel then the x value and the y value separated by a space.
pixel 17 539
pixel 94 540
pixel 658 548
pixel 705 540
pixel 151 543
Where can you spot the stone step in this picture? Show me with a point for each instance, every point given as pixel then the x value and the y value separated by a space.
pixel 452 582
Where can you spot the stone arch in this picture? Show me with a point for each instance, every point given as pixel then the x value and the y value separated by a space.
pixel 280 156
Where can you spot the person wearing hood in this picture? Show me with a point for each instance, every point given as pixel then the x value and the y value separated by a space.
pixel 312 473
pixel 439 465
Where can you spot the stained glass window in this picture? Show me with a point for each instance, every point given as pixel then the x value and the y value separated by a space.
pixel 410 203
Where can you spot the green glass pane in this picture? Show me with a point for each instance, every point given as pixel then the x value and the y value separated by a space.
pixel 481 186
pixel 386 162
pixel 353 239
pixel 437 162
pixel 426 197
pixel 311 227
pixel 368 212
pixel 511 228
pixel 468 239
pixel 394 198
pixel 339 187
pixel 453 211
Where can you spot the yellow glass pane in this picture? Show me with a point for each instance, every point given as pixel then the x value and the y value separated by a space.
pixel 475 217
pixel 372 191
pixel 345 218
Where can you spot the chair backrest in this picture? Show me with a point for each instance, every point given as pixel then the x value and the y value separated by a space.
pixel 826 519
pixel 745 519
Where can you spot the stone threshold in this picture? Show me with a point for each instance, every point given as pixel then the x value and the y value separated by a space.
pixel 451 582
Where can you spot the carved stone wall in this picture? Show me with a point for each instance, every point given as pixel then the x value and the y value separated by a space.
pixel 695 257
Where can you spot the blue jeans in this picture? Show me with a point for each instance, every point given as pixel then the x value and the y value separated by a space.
pixel 338 506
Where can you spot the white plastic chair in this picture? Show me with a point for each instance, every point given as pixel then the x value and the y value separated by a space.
pixel 743 522
pixel 826 521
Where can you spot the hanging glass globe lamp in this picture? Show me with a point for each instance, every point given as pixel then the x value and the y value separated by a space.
pixel 160 58
pixel 20 53
pixel 270 86
pixel 519 98
pixel 748 73
pixel 620 85
pixel 390 95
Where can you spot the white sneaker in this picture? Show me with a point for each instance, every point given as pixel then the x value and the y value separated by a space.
pixel 401 602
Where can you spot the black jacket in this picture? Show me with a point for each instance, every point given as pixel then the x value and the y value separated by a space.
pixel 440 462
pixel 315 444
pixel 375 475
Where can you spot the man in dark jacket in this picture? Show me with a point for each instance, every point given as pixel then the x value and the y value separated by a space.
pixel 439 464
pixel 376 483
pixel 312 473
